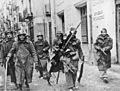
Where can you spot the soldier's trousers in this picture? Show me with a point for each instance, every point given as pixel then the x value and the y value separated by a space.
pixel 103 74
pixel 44 66
pixel 70 79
pixel 11 69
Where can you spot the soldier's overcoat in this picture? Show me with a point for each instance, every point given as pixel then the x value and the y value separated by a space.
pixel 7 45
pixel 24 67
pixel 103 59
pixel 74 54
pixel 42 48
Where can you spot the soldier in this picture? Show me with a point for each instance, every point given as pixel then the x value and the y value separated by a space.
pixel 103 45
pixel 1 51
pixel 57 46
pixel 7 45
pixel 70 59
pixel 42 48
pixel 25 57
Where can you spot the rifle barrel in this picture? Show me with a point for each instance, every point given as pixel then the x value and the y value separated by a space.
pixel 72 35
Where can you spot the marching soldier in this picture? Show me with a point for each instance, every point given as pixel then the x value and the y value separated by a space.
pixel 57 46
pixel 25 57
pixel 42 48
pixel 70 59
pixel 7 45
pixel 103 45
pixel 1 51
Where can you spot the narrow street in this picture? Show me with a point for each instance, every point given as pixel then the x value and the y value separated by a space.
pixel 89 82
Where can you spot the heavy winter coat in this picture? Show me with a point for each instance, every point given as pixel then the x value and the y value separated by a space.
pixel 42 48
pixel 74 53
pixel 103 59
pixel 7 45
pixel 56 63
pixel 23 67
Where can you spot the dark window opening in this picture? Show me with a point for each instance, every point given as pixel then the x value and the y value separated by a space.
pixel 84 28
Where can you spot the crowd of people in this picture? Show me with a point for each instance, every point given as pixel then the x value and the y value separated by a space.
pixel 21 55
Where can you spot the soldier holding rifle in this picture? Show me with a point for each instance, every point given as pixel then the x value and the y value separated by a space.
pixel 103 45
pixel 72 53
pixel 42 49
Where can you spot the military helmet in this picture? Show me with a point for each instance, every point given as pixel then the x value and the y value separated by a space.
pixel 72 29
pixel 58 32
pixel 22 32
pixel 7 32
pixel 39 34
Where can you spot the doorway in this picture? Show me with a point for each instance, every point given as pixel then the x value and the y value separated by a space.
pixel 62 20
pixel 84 28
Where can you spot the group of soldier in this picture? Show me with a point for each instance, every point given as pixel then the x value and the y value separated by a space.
pixel 67 52
pixel 21 54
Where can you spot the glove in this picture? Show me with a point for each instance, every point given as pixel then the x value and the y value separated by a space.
pixel 68 50
pixel 1 63
pixel 7 59
pixel 44 49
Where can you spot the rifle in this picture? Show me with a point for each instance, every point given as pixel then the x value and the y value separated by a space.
pixel 64 47
pixel 81 70
pixel 103 51
pixel 72 35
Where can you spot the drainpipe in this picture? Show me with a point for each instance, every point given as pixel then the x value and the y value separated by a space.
pixel 91 54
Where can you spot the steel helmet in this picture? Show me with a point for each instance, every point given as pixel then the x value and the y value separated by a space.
pixel 72 29
pixel 7 32
pixel 22 32
pixel 39 34
pixel 58 32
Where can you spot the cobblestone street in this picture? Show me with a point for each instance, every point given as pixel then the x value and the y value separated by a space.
pixel 89 82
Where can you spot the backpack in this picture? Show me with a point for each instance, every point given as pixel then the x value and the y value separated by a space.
pixel 22 54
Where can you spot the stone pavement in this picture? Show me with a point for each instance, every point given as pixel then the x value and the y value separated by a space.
pixel 89 82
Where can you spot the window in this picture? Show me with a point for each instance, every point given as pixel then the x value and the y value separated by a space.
pixel 84 29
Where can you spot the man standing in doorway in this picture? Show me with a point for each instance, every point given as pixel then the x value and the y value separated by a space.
pixel 103 45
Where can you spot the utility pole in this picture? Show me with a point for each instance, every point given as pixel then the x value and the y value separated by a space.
pixel 91 54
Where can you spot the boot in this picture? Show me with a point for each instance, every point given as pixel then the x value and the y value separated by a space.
pixel 71 89
pixel 27 85
pixel 105 80
pixel 41 74
pixel 20 87
pixel 16 86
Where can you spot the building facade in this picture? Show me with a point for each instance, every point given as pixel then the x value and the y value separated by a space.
pixel 42 18
pixel 93 16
